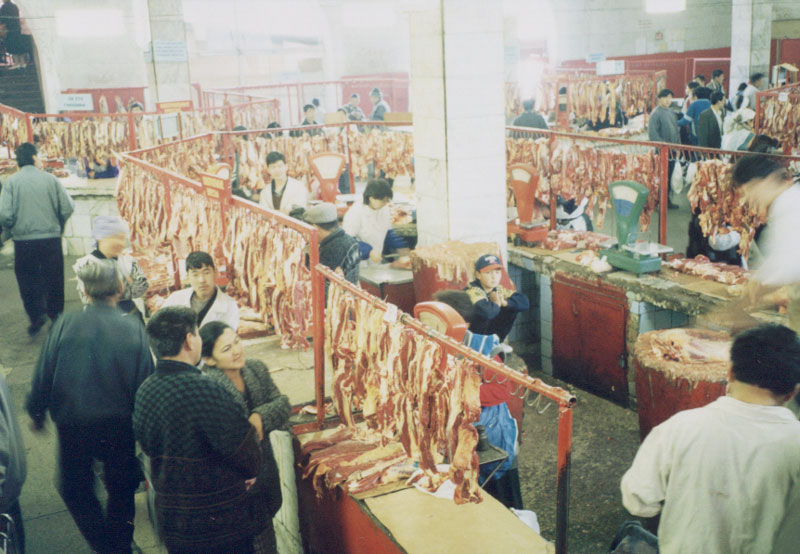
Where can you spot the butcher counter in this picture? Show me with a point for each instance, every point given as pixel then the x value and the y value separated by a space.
pixel 399 519
pixel 588 323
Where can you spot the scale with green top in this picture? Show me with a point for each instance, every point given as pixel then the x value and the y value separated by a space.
pixel 628 199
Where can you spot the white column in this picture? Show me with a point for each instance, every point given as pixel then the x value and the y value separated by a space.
pixel 170 81
pixel 459 137
pixel 751 31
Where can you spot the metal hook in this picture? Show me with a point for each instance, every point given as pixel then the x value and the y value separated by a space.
pixel 490 380
pixel 516 390
pixel 536 402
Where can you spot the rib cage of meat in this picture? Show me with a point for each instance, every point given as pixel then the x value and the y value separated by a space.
pixel 262 258
pixel 574 169
pixel 407 388
pixel 82 138
pixel 588 98
pixel 720 204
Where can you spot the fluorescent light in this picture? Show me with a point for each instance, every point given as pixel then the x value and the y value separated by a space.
pixel 89 23
pixel 665 6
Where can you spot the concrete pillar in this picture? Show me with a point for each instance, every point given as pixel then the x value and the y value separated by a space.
pixel 459 145
pixel 169 80
pixel 751 31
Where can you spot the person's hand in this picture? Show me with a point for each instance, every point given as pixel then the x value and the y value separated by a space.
pixel 91 175
pixel 249 483
pixel 375 256
pixel 339 271
pixel 255 421
pixel 495 298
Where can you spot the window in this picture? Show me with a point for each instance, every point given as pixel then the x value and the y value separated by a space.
pixel 664 6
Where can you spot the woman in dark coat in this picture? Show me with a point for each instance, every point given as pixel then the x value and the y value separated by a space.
pixel 249 381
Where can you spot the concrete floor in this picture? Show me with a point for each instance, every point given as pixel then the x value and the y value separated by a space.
pixel 605 436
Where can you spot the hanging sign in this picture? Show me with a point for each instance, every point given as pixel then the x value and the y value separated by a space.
pixel 215 187
pixel 75 103
pixel 174 106
pixel 596 57
pixel 611 67
pixel 166 51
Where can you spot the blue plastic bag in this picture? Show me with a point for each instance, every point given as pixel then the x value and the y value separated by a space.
pixel 501 430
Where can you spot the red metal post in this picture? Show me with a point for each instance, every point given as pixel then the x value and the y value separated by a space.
pixel 663 201
pixel 131 131
pixel 562 477
pixel 318 305
pixel 228 117
pixel 29 127
pixel 350 160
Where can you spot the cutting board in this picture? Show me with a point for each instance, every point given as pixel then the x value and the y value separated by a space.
pixel 421 523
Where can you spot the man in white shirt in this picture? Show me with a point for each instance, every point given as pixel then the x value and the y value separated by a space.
pixel 725 478
pixel 203 295
pixel 284 193
pixel 756 84
pixel 768 188
pixel 371 223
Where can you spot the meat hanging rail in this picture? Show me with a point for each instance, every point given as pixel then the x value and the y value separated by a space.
pixel 428 338
pixel 261 250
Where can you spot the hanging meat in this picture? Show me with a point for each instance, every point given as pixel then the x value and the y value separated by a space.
pixel 81 138
pixel 263 259
pixel 720 205
pixel 13 129
pixel 781 120
pixel 418 403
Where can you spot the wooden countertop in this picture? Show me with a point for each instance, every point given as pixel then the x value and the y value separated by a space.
pixel 666 289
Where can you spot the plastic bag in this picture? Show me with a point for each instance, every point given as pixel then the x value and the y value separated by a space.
pixel 501 429
pixel 676 181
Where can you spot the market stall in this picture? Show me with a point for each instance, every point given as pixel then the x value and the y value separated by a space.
pixel 259 252
pixel 405 394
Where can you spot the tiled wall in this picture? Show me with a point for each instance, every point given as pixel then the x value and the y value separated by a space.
pixel 652 317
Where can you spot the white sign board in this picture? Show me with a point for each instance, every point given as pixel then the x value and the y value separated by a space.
pixel 75 103
pixel 169 51
pixel 595 57
pixel 611 67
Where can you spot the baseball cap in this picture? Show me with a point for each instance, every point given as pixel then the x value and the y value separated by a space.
pixel 321 213
pixel 488 262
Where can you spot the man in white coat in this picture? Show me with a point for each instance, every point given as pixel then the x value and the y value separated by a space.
pixel 203 295
pixel 283 194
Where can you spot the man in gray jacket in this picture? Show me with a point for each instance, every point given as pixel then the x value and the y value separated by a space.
pixel 663 127
pixel 13 468
pixel 34 207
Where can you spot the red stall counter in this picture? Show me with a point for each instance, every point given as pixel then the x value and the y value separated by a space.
pixel 678 369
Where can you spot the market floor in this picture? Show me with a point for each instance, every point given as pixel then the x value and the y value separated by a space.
pixel 605 440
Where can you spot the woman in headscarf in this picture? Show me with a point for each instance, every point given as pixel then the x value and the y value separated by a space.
pixel 111 234
pixel 738 129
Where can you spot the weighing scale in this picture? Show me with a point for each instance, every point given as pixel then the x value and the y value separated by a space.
pixel 624 252
pixel 525 182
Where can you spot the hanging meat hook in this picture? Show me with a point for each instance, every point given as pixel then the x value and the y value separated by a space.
pixel 537 402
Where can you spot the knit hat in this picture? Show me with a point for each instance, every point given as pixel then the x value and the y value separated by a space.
pixel 376 91
pixel 104 226
pixel 321 213
pixel 487 262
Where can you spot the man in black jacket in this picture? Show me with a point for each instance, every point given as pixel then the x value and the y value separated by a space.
pixel 337 249
pixel 709 124
pixel 204 453
pixel 530 118
pixel 88 372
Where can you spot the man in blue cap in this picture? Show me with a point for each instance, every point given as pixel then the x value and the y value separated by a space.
pixel 337 250
pixel 496 307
